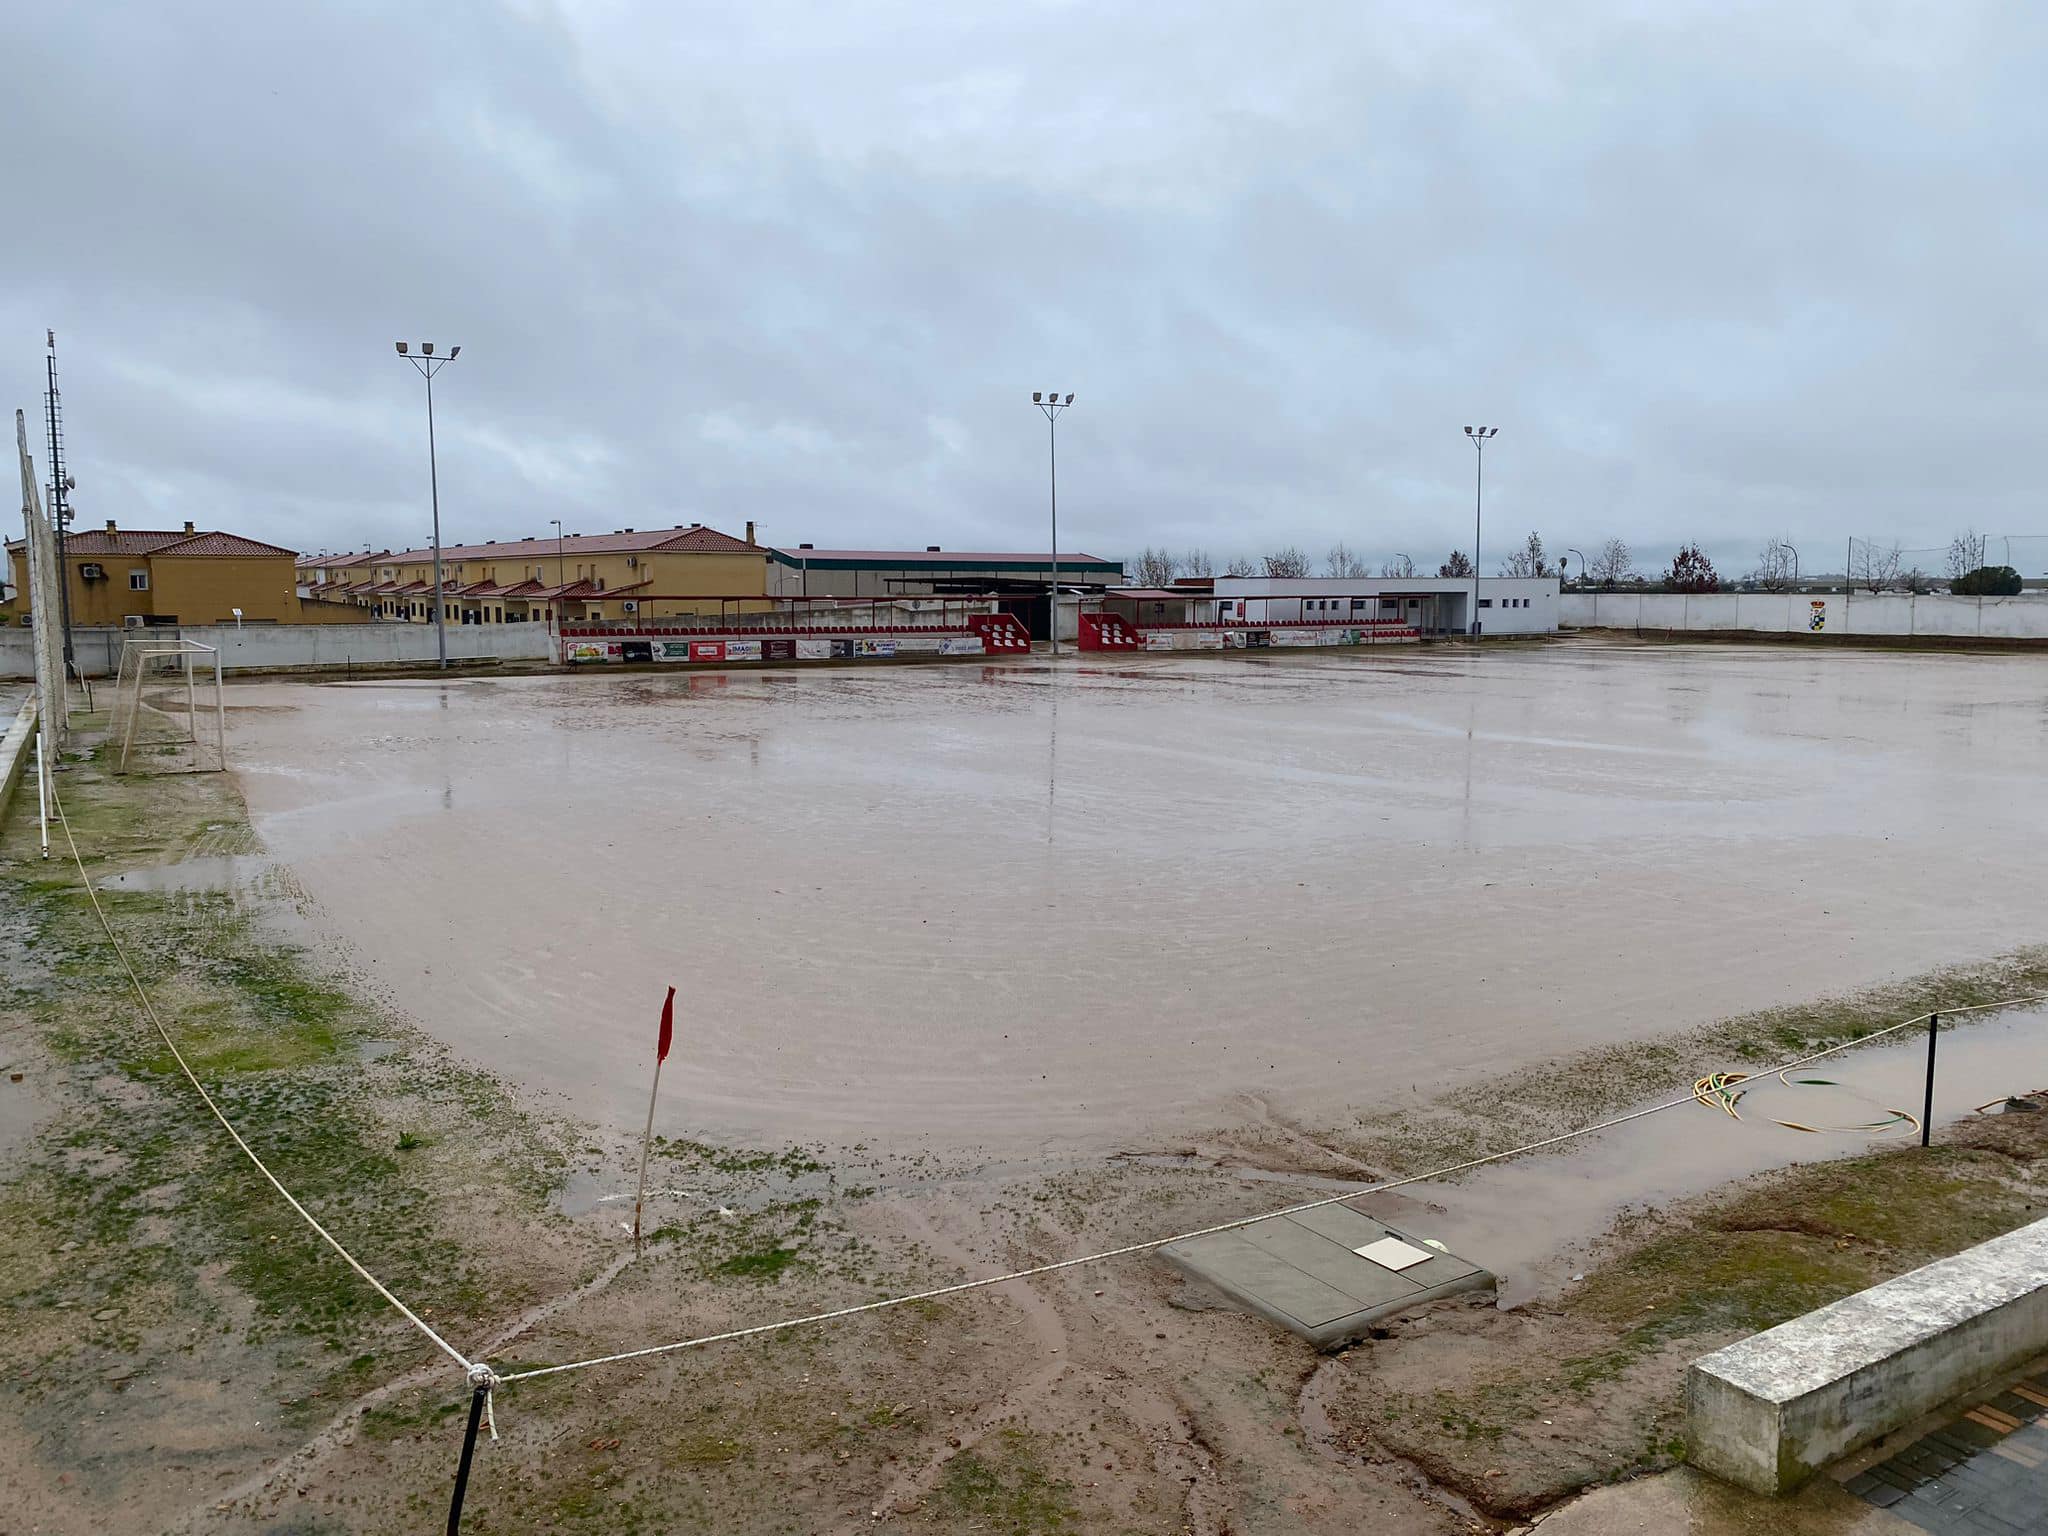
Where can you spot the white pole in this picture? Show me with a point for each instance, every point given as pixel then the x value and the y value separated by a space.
pixel 646 1136
pixel 220 714
pixel 42 788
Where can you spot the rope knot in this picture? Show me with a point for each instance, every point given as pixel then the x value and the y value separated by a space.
pixel 487 1381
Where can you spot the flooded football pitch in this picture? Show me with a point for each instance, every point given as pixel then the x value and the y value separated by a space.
pixel 1031 906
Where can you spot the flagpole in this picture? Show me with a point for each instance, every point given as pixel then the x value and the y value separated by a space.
pixel 646 1136
pixel 668 1024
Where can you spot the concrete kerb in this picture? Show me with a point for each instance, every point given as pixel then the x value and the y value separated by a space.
pixel 16 748
pixel 1769 1411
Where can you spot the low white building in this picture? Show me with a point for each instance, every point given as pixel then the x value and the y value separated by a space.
pixel 1433 605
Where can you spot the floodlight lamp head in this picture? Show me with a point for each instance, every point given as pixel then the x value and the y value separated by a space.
pixel 1070 399
pixel 401 347
pixel 453 353
pixel 1038 397
pixel 426 349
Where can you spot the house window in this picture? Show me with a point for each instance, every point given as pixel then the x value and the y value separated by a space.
pixel 138 581
pixel 1486 602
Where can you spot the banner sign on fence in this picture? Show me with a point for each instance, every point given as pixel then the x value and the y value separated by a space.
pixel 742 650
pixel 811 648
pixel 591 650
pixel 707 650
pixel 672 650
pixel 961 645
pixel 874 647
pixel 778 650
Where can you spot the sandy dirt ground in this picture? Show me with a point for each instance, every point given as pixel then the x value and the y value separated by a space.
pixel 987 967
pixel 1027 908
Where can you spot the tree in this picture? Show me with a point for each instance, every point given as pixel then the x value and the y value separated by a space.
pixel 1457 565
pixel 1614 565
pixel 1874 565
pixel 1342 562
pixel 1987 581
pixel 1156 568
pixel 1196 562
pixel 1286 561
pixel 1528 560
pixel 1240 565
pixel 1777 563
pixel 1400 566
pixel 1691 571
pixel 1966 553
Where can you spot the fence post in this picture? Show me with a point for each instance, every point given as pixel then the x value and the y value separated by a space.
pixel 476 1413
pixel 1927 1104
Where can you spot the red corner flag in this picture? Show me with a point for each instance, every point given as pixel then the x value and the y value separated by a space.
pixel 668 1026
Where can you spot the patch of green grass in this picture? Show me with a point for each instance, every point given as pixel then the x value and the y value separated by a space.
pixel 1005 1488
pixel 760 1264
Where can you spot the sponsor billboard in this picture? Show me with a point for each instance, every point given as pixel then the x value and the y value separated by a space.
pixel 590 650
pixel 742 650
pixel 810 648
pixel 874 647
pixel 707 650
pixel 961 645
pixel 778 650
pixel 671 650
pixel 842 649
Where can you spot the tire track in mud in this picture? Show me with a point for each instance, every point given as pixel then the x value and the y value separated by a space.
pixel 340 1430
pixel 1042 1327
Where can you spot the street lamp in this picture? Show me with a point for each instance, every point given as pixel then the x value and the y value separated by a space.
pixel 1051 404
pixel 429 365
pixel 1582 563
pixel 1479 435
pixel 561 580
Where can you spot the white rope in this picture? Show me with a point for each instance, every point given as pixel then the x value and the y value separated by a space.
pixel 149 1008
pixel 1224 1226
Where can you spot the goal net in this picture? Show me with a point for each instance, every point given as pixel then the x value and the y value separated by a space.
pixel 169 715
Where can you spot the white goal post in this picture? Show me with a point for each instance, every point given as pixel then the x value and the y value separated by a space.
pixel 169 717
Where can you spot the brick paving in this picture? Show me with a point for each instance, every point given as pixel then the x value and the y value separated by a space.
pixel 1985 1473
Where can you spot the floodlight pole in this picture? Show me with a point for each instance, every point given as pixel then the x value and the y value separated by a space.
pixel 429 365
pixel 1479 435
pixel 1052 405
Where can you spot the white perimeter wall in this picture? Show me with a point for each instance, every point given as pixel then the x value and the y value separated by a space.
pixel 295 645
pixel 1801 613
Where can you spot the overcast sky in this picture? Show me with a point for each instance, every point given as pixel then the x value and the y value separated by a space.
pixel 1716 271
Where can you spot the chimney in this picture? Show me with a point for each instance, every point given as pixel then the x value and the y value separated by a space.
pixel 750 530
pixel 110 525
pixel 188 526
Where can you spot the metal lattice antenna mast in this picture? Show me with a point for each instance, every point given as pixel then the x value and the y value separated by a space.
pixel 60 486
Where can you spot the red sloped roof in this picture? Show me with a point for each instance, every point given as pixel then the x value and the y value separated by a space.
pixel 221 544
pixel 698 540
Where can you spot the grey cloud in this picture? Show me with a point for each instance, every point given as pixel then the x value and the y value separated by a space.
pixel 1717 272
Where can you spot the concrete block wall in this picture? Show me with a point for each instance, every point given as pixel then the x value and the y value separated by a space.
pixel 1768 1412
pixel 1902 614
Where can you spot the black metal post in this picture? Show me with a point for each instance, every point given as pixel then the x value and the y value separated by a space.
pixel 476 1414
pixel 1927 1104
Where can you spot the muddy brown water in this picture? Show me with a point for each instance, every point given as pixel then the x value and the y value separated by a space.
pixel 1027 906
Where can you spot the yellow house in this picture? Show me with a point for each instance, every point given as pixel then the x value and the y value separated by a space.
pixel 628 573
pixel 120 576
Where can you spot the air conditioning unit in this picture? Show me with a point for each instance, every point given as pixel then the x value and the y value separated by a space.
pixel 92 571
pixel 132 621
pixel 630 605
